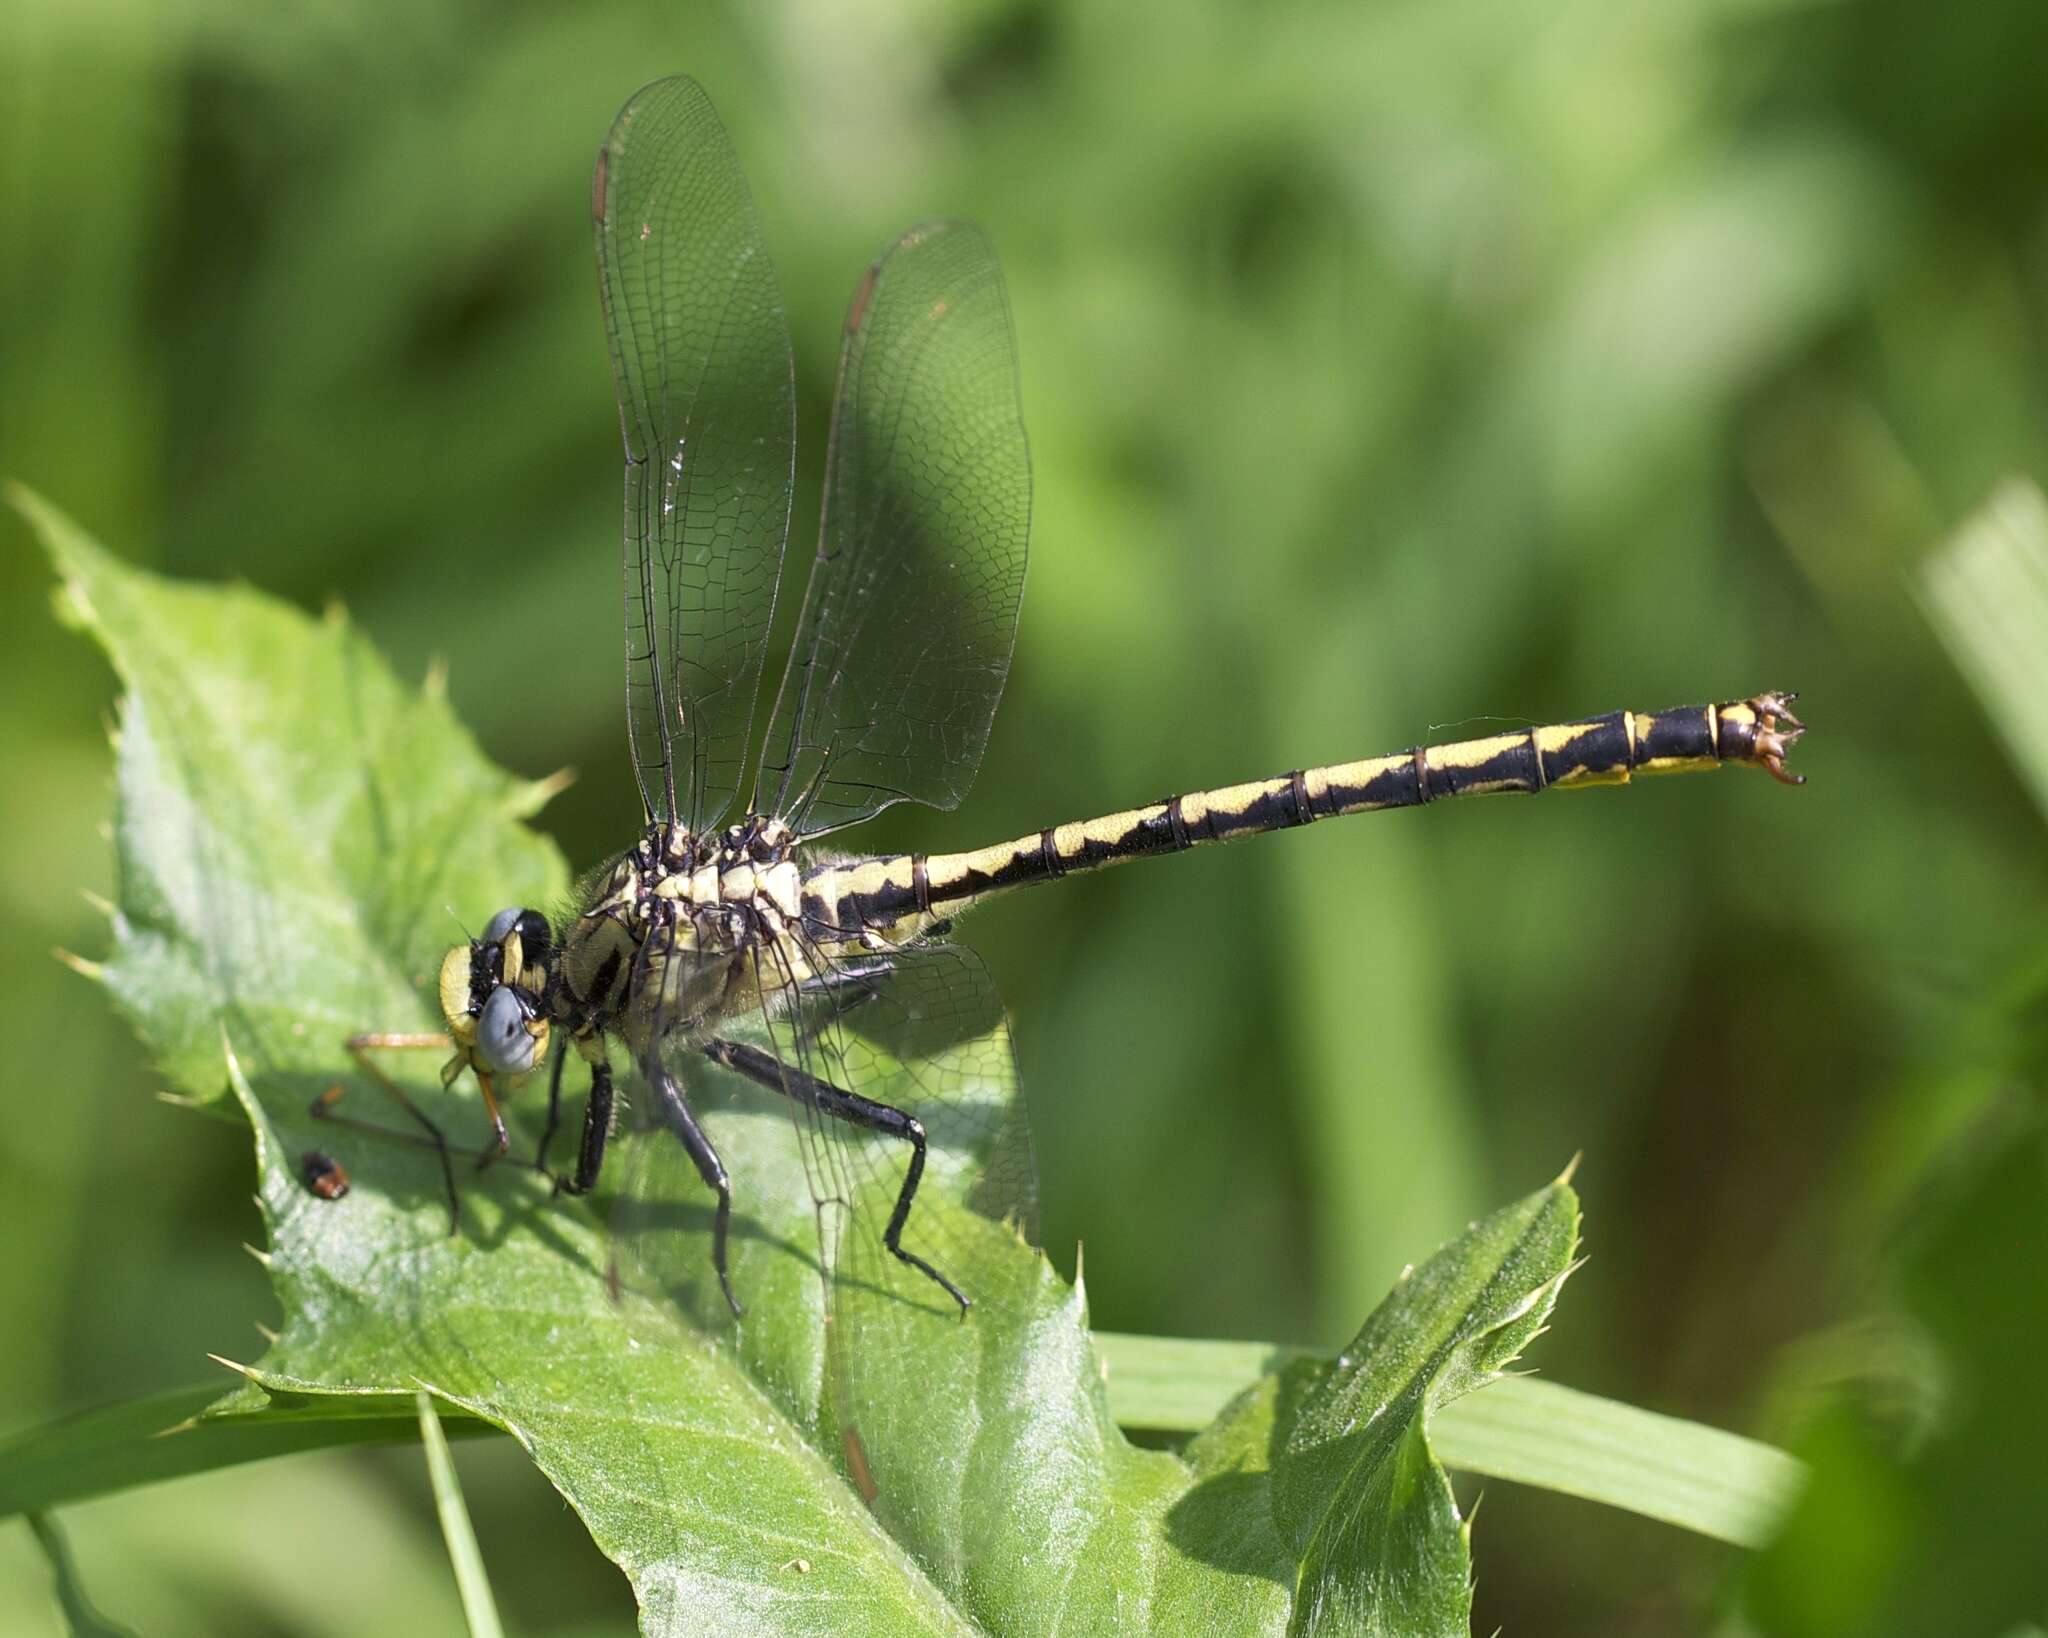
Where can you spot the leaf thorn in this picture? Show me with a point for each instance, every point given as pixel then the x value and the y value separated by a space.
pixel 80 965
pixel 536 794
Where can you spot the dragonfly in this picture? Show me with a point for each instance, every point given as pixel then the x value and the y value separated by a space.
pixel 735 944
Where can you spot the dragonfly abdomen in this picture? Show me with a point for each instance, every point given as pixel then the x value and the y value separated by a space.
pixel 883 894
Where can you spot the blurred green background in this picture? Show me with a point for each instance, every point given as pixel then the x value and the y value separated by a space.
pixel 1389 369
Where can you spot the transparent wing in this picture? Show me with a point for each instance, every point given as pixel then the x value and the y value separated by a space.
pixel 920 1031
pixel 663 1213
pixel 701 364
pixel 908 622
pixel 927 1038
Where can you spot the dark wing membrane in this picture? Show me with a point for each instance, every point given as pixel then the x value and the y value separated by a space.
pixel 700 358
pixel 907 627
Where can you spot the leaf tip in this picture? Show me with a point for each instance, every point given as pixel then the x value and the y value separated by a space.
pixel 1571 1168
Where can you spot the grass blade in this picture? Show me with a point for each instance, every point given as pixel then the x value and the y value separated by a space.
pixel 1699 1478
pixel 81 1620
pixel 165 1436
pixel 1986 592
pixel 471 1581
pixel 1702 1479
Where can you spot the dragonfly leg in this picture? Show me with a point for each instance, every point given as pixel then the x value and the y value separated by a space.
pixel 770 1071
pixel 501 1139
pixel 682 1120
pixel 597 1132
pixel 359 1048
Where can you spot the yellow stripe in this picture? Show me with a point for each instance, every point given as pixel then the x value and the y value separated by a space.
pixel 1071 840
pixel 1199 808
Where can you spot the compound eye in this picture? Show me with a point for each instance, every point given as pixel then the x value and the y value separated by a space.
pixel 501 924
pixel 503 1043
pixel 534 934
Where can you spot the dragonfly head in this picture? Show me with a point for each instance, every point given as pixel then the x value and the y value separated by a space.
pixel 492 991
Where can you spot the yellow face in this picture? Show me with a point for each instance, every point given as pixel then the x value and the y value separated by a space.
pixel 494 1015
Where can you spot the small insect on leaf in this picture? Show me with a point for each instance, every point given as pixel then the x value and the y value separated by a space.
pixel 323 1175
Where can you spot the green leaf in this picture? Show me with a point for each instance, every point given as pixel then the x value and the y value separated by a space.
pixel 1357 1492
pixel 292 825
pixel 277 792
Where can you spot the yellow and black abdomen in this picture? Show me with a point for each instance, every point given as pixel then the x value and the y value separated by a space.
pixel 1606 750
pixel 881 894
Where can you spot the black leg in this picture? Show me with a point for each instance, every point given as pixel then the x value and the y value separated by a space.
pixel 682 1120
pixel 597 1132
pixel 771 1072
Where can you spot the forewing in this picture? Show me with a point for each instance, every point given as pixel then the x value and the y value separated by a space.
pixel 701 363
pixel 911 612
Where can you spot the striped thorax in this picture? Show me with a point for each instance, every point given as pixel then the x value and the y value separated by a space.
pixel 686 928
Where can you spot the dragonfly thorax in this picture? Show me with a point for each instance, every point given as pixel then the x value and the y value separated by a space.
pixel 672 936
pixel 733 887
